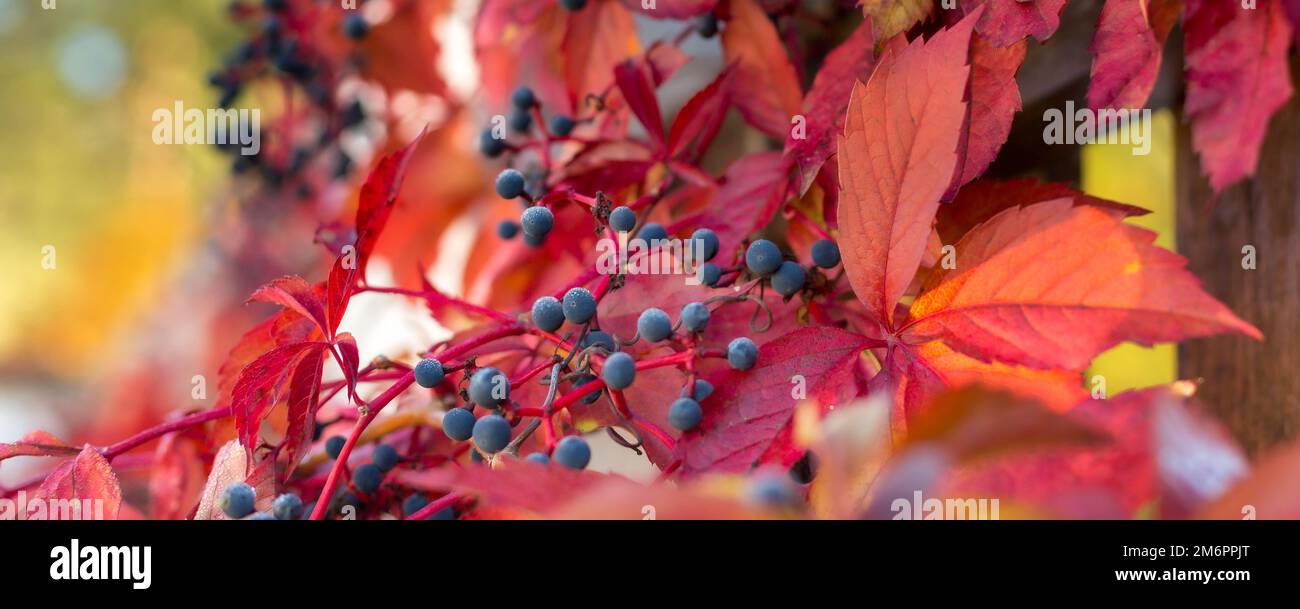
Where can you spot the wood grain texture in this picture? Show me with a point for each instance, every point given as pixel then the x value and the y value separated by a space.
pixel 1254 387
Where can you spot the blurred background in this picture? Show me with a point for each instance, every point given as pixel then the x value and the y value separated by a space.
pixel 127 262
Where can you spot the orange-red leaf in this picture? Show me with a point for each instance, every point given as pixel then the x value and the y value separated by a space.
pixel 88 478
pixel 768 93
pixel 36 444
pixel 994 102
pixel 1126 51
pixel 980 200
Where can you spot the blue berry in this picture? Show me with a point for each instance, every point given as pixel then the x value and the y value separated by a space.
pixel 237 500
pixel 596 338
pixel 537 221
pixel 579 306
pixel 622 219
pixel 709 239
pixel 773 489
pixel 492 433
pixel 261 516
pixel 651 232
pixel 540 458
pixel 458 424
pixel 825 253
pixel 355 26
pixel 491 147
pixel 385 457
pixel 742 354
pixel 367 478
pixel 287 507
pixel 510 184
pixel 763 257
pixel 706 25
pixel 788 279
pixel 489 387
pixel 523 98
pixel 710 274
pixel 581 380
pixel 572 452
pixel 684 414
pixel 703 389
pixel 413 504
pixel 619 371
pixel 520 121
pixel 548 314
pixel 429 373
pixel 507 229
pixel 654 325
pixel 561 125
pixel 573 5
pixel 534 241
pixel 334 446
pixel 695 316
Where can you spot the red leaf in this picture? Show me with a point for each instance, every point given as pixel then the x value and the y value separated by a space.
pixel 768 92
pixel 749 410
pixel 637 85
pixel 896 158
pixel 1126 51
pixel 511 483
pixel 597 38
pixel 1006 22
pixel 699 120
pixel 994 102
pixel 284 328
pixel 980 200
pixel 1237 77
pixel 176 478
pixel 753 189
pixel 88 478
pixel 304 397
pixel 295 294
pixel 260 386
pixel 825 104
pixel 36 444
pixel 671 9
pixel 1292 8
pixel 1053 284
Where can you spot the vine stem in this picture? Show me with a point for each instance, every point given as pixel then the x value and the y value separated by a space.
pixel 113 450
pixel 438 505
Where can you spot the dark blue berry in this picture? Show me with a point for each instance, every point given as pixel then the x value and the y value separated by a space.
pixel 510 184
pixel 709 241
pixel 622 219
pixel 561 125
pixel 763 257
pixel 429 373
pixel 507 229
pixel 695 316
pixel 596 338
pixel 413 504
pixel 788 279
pixel 489 387
pixel 619 371
pixel 534 241
pixel 710 274
pixel 261 516
pixel 537 221
pixel 385 457
pixel 579 306
pixel 540 458
pixel 458 424
pixel 773 489
pixel 287 507
pixel 548 313
pixel 703 389
pixel 237 500
pixel 742 354
pixel 581 380
pixel 490 146
pixel 355 26
pixel 706 25
pixel 825 253
pixel 685 414
pixel 334 446
pixel 573 5
pixel 654 325
pixel 520 121
pixel 523 98
pixel 651 232
pixel 492 433
pixel 572 452
pixel 367 478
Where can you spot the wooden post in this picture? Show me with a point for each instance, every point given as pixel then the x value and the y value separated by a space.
pixel 1253 387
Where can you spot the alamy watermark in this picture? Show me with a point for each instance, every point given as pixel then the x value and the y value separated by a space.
pixel 950 508
pixel 1130 127
pixel 40 508
pixel 216 126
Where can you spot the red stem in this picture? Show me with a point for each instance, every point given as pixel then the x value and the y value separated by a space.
pixel 197 418
pixel 438 505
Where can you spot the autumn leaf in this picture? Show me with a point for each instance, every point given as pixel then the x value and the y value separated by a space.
pixel 824 106
pixel 749 410
pixel 87 477
pixel 1006 22
pixel 896 158
pixel 636 83
pixel 1052 285
pixel 177 477
pixel 231 465
pixel 752 191
pixel 1237 77
pixel 767 87
pixel 597 38
pixel 994 100
pixel 36 444
pixel 698 121
pixel 1126 51
pixel 982 199
pixel 671 9
pixel 890 17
